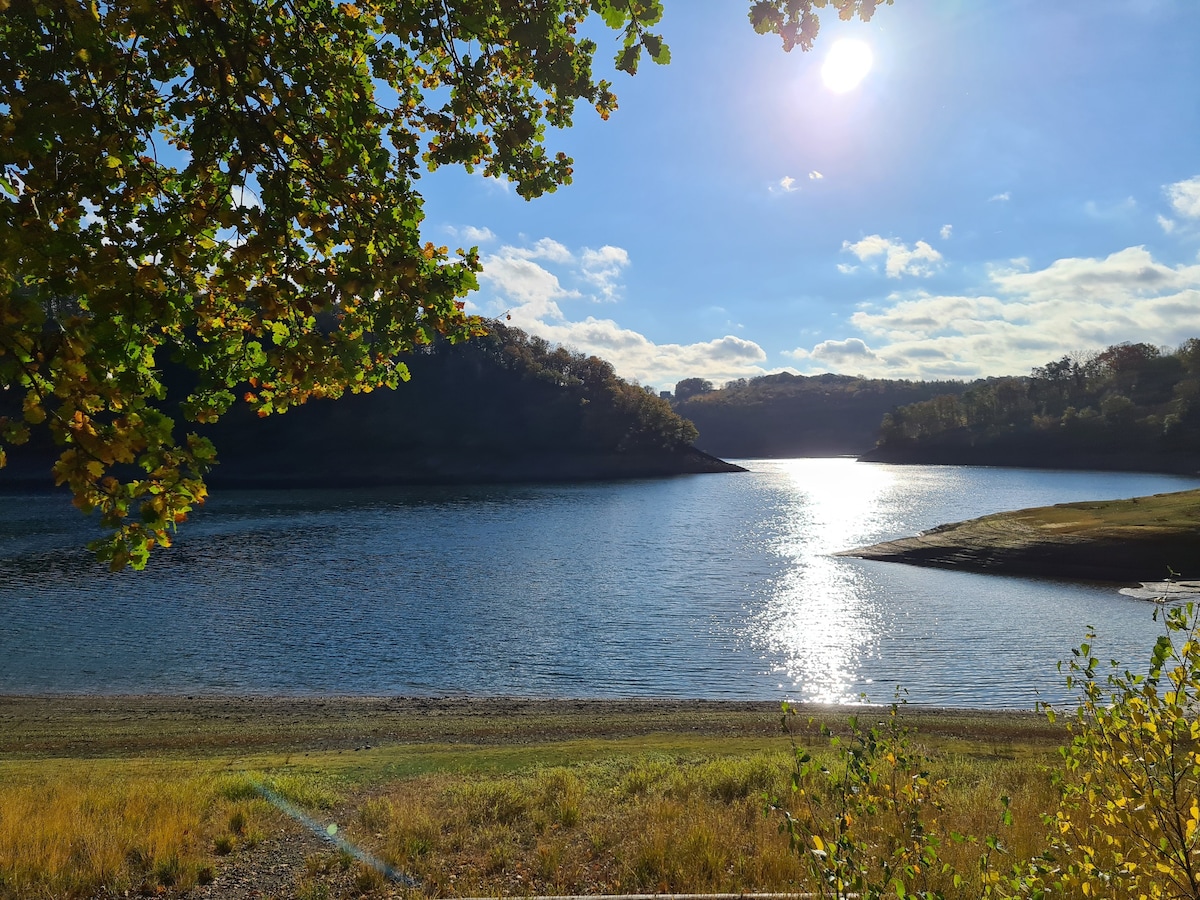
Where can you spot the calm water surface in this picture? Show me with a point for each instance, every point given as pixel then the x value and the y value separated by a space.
pixel 715 586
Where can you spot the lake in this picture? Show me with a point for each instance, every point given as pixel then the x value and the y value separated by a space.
pixel 713 586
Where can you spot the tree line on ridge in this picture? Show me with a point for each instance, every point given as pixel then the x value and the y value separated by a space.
pixel 1129 406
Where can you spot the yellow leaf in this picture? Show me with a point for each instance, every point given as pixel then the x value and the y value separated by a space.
pixel 35 414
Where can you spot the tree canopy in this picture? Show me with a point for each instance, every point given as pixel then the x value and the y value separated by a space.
pixel 1132 405
pixel 506 406
pixel 232 186
pixel 785 415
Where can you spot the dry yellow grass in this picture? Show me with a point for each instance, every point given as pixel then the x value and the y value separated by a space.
pixel 655 823
pixel 68 829
pixel 67 834
pixel 660 811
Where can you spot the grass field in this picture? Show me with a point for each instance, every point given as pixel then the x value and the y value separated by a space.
pixel 469 797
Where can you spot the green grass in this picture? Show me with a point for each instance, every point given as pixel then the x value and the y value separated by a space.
pixel 1160 513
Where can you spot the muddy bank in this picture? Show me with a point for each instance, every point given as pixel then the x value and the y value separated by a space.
pixel 1128 541
pixel 83 726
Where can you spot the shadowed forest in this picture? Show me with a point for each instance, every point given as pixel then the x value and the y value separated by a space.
pixel 1130 406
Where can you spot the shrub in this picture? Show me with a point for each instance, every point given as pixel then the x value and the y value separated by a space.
pixel 870 826
pixel 1126 822
pixel 1129 818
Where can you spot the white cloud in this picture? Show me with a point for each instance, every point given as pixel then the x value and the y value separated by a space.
pixel 1000 198
pixel 847 352
pixel 814 175
pixel 470 234
pixel 244 197
pixel 532 287
pixel 603 267
pixel 547 249
pixel 477 235
pixel 946 231
pixel 1185 197
pixel 786 185
pixel 1167 225
pixel 1025 318
pixel 899 259
pixel 533 282
pixel 495 182
pixel 636 356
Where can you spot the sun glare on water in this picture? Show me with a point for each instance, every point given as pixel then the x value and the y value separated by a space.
pixel 846 65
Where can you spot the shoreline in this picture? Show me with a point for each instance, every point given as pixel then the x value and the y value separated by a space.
pixel 38 726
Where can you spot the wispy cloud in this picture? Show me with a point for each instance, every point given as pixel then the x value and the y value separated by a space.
pixel 1116 210
pixel 899 258
pixel 946 231
pixel 785 185
pixel 1000 198
pixel 814 175
pixel 495 183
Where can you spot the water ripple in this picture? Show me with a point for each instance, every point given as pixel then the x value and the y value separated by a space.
pixel 705 586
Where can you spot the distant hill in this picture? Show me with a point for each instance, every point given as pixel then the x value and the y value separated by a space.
pixel 795 415
pixel 1129 407
pixel 502 407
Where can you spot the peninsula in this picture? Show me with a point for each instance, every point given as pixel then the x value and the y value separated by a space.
pixel 1142 539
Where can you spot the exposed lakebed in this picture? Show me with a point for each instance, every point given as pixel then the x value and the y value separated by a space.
pixel 715 586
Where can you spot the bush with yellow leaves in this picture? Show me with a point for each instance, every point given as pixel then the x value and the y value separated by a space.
pixel 1124 821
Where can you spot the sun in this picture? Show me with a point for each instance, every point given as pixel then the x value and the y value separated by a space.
pixel 846 64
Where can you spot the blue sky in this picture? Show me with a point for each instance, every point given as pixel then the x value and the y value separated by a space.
pixel 1012 181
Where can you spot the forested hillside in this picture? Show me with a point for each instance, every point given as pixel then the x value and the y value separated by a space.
pixel 1131 406
pixel 504 406
pixel 794 415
